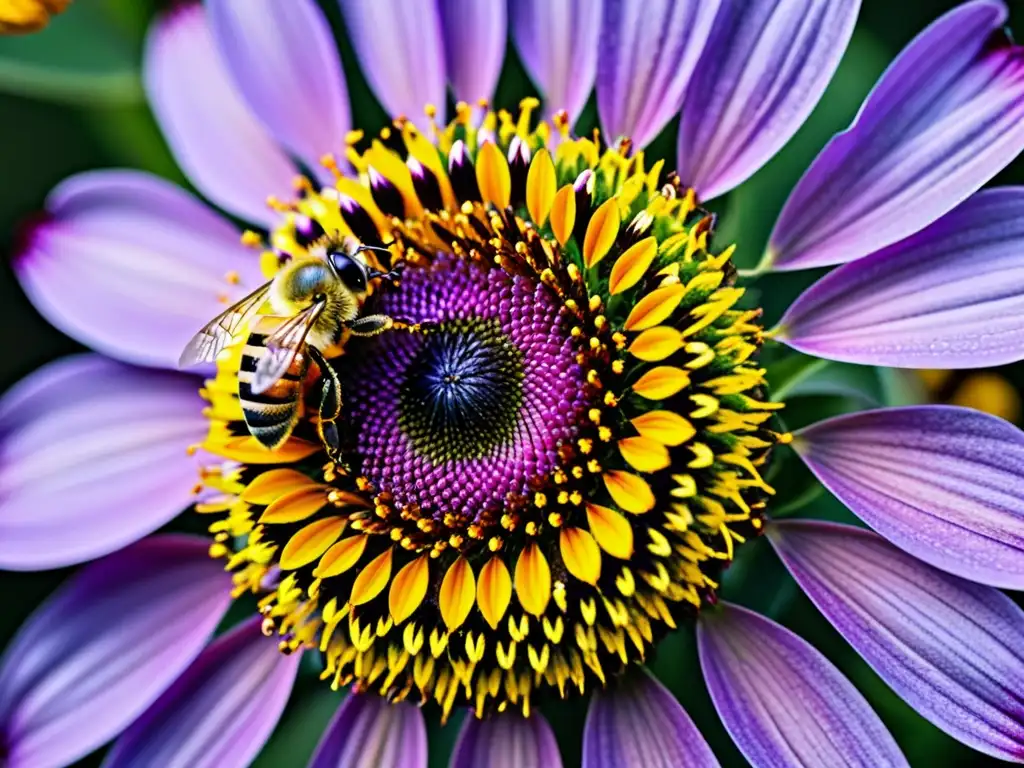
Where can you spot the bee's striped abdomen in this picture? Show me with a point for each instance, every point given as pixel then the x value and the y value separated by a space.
pixel 271 415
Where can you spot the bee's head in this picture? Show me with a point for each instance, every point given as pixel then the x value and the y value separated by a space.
pixel 350 270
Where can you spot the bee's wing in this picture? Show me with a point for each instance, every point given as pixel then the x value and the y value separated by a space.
pixel 217 334
pixel 282 345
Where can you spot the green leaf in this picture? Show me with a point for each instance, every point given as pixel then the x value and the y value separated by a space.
pixel 82 57
pixel 790 371
pixel 860 383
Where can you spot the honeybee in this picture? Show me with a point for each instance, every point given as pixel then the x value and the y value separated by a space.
pixel 316 302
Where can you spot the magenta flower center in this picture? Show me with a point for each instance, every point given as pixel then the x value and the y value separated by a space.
pixel 456 420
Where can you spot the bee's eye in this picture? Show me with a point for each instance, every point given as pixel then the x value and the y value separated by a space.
pixel 351 272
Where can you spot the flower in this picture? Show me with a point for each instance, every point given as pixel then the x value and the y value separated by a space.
pixel 19 17
pixel 549 455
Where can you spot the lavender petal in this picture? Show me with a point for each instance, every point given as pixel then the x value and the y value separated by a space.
pixel 951 649
pixel 765 65
pixel 220 712
pixel 131 265
pixel 217 141
pixel 945 117
pixel 782 701
pixel 945 484
pixel 106 645
pixel 125 473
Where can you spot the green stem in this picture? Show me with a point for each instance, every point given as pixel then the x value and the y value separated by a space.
pixel 765 264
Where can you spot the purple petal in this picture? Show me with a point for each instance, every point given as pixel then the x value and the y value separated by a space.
pixel 640 724
pixel 474 45
pixel 945 117
pixel 132 265
pixel 764 68
pixel 220 712
pixel 951 649
pixel 216 139
pixel 782 701
pixel 104 646
pixel 558 42
pixel 946 484
pixel 401 51
pixel 951 296
pixel 93 456
pixel 508 740
pixel 284 60
pixel 369 731
pixel 649 49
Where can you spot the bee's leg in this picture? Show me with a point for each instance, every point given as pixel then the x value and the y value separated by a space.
pixel 330 393
pixel 372 325
pixel 329 409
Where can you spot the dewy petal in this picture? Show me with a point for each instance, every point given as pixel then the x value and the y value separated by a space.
pixel 401 51
pixel 951 649
pixel 639 724
pixel 944 483
pixel 284 60
pixel 369 731
pixel 951 296
pixel 216 139
pixel 558 42
pixel 132 265
pixel 474 45
pixel 764 68
pixel 508 740
pixel 104 646
pixel 93 456
pixel 782 701
pixel 220 712
pixel 649 49
pixel 945 117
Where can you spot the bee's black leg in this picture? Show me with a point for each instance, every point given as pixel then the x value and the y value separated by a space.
pixel 330 393
pixel 330 407
pixel 331 439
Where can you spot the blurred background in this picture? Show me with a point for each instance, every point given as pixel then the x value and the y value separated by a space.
pixel 71 100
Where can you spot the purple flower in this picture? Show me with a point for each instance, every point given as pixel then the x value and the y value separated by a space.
pixel 523 429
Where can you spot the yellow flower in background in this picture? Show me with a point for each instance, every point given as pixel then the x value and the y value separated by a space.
pixel 984 391
pixel 20 17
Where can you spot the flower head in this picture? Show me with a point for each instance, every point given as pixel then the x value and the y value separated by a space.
pixel 518 427
pixel 547 476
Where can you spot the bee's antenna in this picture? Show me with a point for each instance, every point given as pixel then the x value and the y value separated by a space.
pixel 389 277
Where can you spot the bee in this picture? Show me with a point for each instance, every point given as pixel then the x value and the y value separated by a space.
pixel 316 303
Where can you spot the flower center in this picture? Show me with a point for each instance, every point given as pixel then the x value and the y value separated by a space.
pixel 456 420
pixel 461 395
pixel 547 456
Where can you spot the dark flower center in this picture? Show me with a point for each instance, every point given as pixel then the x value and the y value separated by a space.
pixel 463 392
